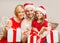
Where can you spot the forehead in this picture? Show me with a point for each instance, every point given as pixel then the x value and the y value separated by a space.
pixel 19 8
pixel 30 9
pixel 38 11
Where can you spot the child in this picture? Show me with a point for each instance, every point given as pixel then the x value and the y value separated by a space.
pixel 39 23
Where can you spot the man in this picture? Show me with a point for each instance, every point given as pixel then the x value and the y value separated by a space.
pixel 26 24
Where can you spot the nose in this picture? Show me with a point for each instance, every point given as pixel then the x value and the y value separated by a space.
pixel 21 14
pixel 30 11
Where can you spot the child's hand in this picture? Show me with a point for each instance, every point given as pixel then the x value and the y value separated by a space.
pixel 42 30
pixel 39 39
pixel 35 29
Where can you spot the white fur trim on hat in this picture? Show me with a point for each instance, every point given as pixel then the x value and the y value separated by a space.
pixel 29 6
pixel 42 10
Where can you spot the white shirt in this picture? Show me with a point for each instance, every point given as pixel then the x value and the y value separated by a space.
pixel 26 25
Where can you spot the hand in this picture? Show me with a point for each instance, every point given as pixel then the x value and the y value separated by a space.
pixel 44 28
pixel 39 39
pixel 35 29
pixel 25 33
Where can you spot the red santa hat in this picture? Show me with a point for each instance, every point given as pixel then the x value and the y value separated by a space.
pixel 29 5
pixel 43 10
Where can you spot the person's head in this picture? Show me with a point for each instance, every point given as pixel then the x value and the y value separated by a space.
pixel 19 11
pixel 40 13
pixel 29 9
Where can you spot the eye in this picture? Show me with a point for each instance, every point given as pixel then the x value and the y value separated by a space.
pixel 31 10
pixel 18 12
pixel 23 11
pixel 37 13
pixel 27 11
pixel 40 13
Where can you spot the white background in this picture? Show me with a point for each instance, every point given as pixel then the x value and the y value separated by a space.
pixel 52 7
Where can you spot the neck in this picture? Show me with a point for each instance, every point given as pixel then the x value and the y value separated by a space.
pixel 17 19
pixel 39 21
pixel 28 18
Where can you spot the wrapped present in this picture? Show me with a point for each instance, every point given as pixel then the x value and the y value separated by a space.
pixel 33 37
pixel 52 36
pixel 14 35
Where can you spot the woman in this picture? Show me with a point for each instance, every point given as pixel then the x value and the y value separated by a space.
pixel 39 23
pixel 15 22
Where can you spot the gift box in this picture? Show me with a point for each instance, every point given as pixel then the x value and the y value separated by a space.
pixel 14 35
pixel 52 36
pixel 33 37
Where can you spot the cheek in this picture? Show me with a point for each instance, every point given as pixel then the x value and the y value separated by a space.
pixel 33 11
pixel 27 12
pixel 20 15
pixel 37 15
pixel 41 15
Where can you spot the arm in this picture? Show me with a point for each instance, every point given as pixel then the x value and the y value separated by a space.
pixel 43 29
pixel 35 29
pixel 44 33
pixel 8 25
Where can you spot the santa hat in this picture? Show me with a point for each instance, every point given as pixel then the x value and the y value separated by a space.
pixel 29 5
pixel 42 9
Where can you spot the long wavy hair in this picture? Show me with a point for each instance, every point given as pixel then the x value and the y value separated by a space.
pixel 42 19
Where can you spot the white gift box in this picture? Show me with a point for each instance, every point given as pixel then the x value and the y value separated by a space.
pixel 32 39
pixel 52 36
pixel 10 35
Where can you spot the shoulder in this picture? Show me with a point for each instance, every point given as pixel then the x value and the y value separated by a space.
pixel 8 24
pixel 45 21
pixel 34 23
pixel 9 21
pixel 24 21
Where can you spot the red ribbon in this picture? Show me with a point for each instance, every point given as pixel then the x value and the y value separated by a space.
pixel 33 33
pixel 31 39
pixel 14 36
pixel 51 35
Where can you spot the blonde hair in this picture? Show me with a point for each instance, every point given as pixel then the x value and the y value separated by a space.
pixel 15 12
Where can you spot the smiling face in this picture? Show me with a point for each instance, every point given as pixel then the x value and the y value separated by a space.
pixel 39 15
pixel 30 12
pixel 19 12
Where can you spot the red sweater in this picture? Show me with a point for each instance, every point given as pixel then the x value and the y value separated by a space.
pixel 39 26
pixel 15 25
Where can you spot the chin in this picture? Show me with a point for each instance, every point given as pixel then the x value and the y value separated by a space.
pixel 30 17
pixel 21 18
